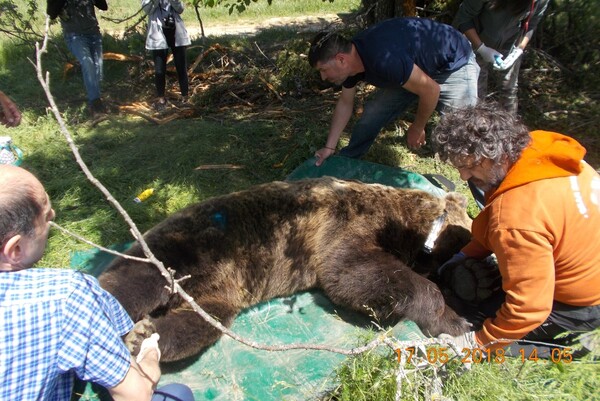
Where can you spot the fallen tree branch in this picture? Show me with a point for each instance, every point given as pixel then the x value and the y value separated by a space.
pixel 219 166
pixel 271 88
pixel 247 103
pixel 121 57
pixel 202 55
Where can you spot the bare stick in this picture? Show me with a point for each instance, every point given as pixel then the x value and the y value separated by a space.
pixel 80 238
pixel 45 82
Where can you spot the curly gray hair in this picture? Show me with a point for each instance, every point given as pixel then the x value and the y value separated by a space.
pixel 483 131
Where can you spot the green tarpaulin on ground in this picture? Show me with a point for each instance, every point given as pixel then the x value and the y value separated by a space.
pixel 232 371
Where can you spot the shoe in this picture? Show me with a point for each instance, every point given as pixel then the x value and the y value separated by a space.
pixel 184 102
pixel 160 104
pixel 97 108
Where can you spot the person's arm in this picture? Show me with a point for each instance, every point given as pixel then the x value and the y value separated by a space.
pixel 341 116
pixel 473 37
pixel 177 5
pixel 10 115
pixel 538 14
pixel 529 292
pixel 467 13
pixel 524 42
pixel 149 6
pixel 428 92
pixel 140 381
pixel 54 7
pixel 464 21
pixel 475 250
pixel 487 53
pixel 101 4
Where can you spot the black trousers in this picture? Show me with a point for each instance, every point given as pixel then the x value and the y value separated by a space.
pixel 160 65
pixel 575 320
pixel 550 335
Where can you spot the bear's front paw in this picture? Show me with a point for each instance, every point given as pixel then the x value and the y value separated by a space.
pixel 141 330
pixel 451 324
pixel 460 326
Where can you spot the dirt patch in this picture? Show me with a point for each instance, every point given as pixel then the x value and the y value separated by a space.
pixel 300 24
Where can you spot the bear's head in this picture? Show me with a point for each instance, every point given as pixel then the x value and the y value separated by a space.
pixel 456 229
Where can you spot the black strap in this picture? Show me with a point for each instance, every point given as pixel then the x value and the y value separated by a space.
pixel 440 181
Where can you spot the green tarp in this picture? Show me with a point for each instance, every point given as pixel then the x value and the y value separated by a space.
pixel 354 169
pixel 232 371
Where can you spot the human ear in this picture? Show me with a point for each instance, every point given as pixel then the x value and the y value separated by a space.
pixel 12 250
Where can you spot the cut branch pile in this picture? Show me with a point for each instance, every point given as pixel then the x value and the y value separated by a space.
pixel 223 80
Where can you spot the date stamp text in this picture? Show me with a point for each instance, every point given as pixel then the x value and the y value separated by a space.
pixel 442 355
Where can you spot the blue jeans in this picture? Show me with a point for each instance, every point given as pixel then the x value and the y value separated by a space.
pixel 87 48
pixel 457 89
pixel 173 392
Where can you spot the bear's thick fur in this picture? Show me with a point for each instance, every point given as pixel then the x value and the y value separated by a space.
pixel 360 243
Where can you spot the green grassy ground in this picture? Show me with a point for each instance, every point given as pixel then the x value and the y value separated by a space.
pixel 373 377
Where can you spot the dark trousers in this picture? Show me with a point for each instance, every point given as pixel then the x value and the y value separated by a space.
pixel 160 66
pixel 564 318
pixel 550 335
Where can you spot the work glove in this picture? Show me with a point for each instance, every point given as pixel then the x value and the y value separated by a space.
pixel 147 345
pixel 472 280
pixel 508 62
pixel 490 55
pixel 451 263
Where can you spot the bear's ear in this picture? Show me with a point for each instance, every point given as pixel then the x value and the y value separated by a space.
pixel 457 198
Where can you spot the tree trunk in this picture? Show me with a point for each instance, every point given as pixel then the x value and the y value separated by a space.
pixel 379 10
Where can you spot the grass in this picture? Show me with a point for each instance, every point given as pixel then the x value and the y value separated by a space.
pixel 372 377
pixel 266 135
pixel 260 10
pixel 257 10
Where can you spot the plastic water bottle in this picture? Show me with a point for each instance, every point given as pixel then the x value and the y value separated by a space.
pixel 9 153
pixel 498 60
pixel 144 195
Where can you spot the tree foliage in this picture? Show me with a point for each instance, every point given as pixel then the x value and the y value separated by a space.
pixel 237 5
pixel 568 34
pixel 19 22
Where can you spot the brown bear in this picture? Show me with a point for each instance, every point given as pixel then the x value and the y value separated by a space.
pixel 362 244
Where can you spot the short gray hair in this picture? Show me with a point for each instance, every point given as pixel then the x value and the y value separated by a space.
pixel 19 210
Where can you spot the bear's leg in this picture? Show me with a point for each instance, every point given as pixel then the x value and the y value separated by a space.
pixel 184 333
pixel 139 287
pixel 375 281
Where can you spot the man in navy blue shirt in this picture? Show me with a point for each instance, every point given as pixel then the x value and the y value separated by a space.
pixel 410 60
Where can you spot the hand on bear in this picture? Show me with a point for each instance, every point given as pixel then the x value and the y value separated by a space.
pixel 472 280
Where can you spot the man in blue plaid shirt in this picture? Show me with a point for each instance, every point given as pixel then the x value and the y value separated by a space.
pixel 56 324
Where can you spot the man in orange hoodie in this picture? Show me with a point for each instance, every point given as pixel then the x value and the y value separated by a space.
pixel 541 220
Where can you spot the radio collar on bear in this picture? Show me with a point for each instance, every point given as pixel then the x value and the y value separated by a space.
pixel 434 233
